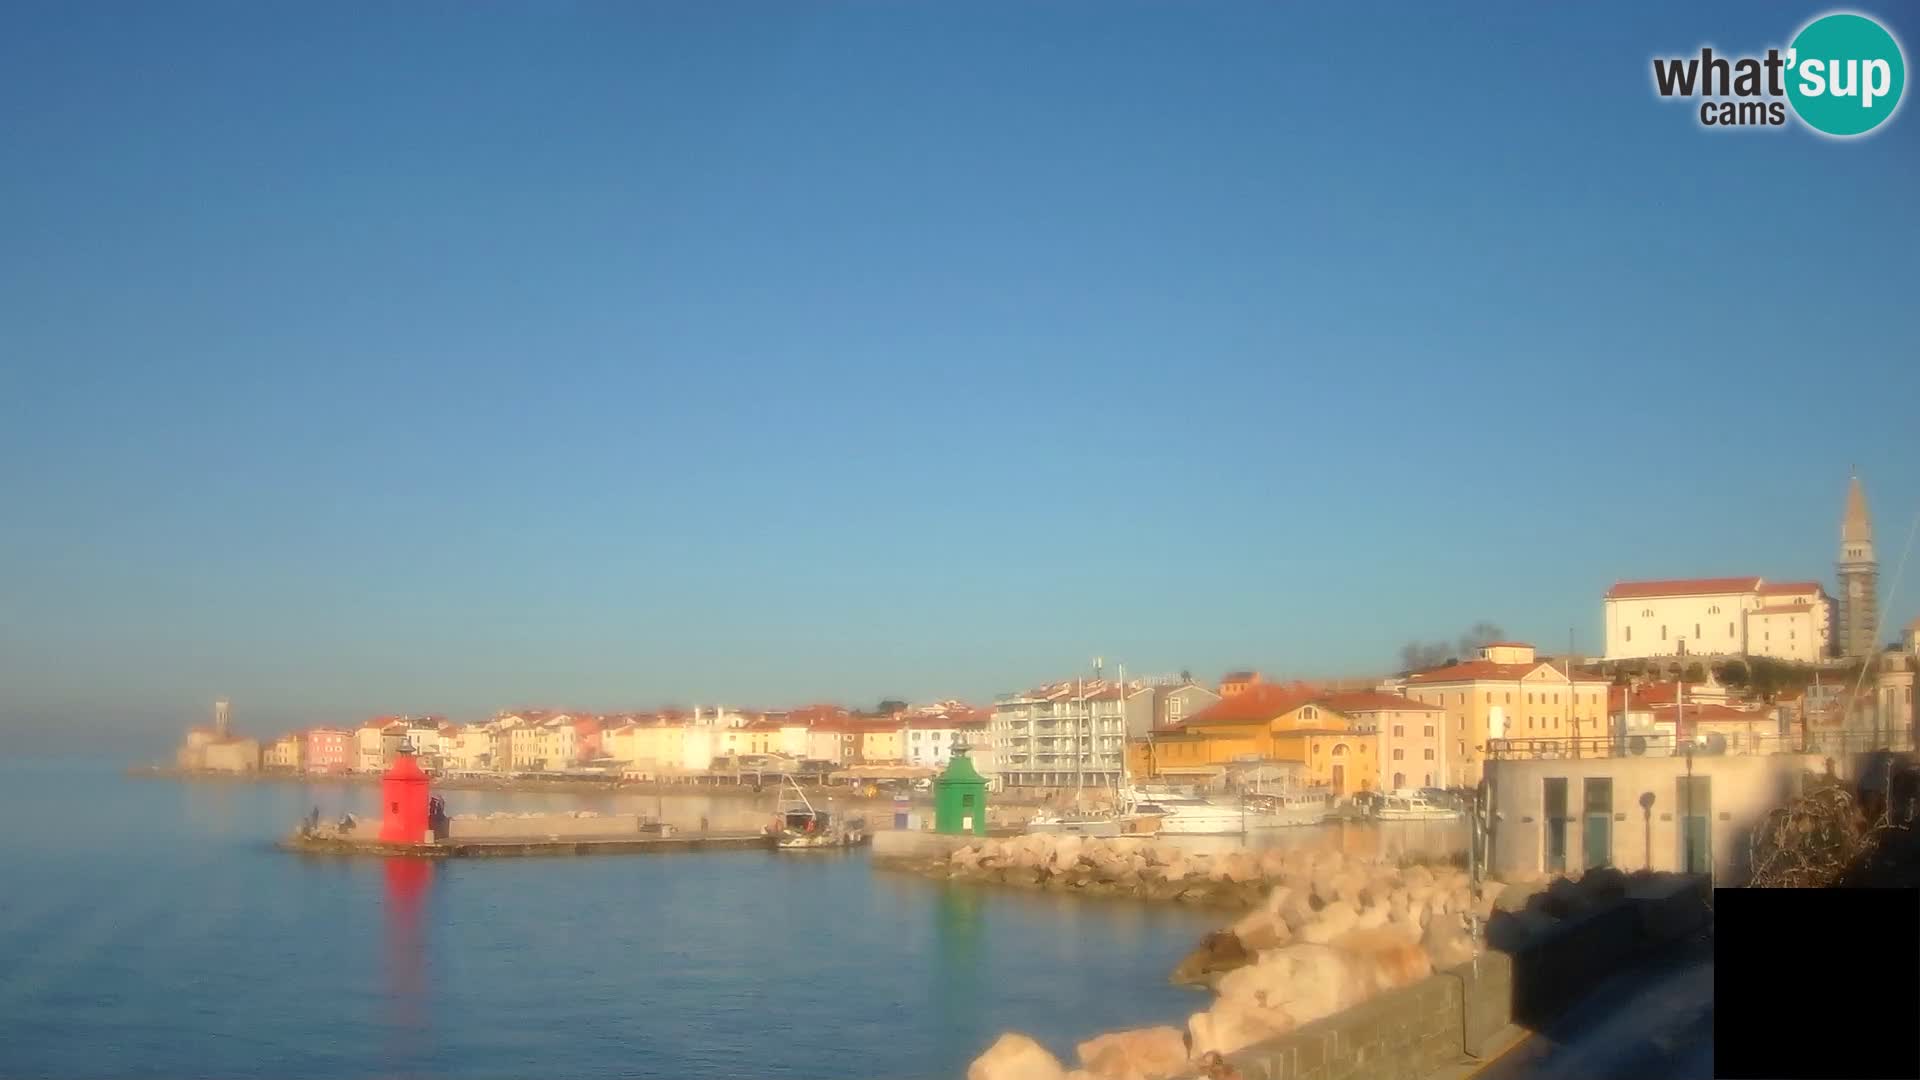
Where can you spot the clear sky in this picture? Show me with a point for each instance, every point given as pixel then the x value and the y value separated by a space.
pixel 447 356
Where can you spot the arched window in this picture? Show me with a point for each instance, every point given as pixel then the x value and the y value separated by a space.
pixel 1339 749
pixel 1399 780
pixel 1309 713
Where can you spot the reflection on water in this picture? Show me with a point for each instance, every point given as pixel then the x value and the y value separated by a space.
pixel 407 881
pixel 1388 840
pixel 161 915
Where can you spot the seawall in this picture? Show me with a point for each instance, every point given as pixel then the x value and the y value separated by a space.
pixel 1472 1009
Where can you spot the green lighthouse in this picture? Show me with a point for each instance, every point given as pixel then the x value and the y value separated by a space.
pixel 960 798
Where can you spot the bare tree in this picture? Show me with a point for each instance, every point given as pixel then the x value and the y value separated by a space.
pixel 1479 636
pixel 1422 655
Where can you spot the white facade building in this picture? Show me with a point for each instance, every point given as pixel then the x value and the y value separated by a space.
pixel 1743 616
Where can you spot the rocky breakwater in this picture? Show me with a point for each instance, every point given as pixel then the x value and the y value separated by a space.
pixel 1122 866
pixel 1327 931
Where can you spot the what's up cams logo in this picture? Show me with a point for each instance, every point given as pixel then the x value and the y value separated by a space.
pixel 1842 76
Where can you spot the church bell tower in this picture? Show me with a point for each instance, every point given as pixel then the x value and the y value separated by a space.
pixel 1859 574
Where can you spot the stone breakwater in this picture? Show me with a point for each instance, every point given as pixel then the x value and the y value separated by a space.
pixel 1326 932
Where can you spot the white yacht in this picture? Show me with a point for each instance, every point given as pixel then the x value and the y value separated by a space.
pixel 1291 809
pixel 1413 806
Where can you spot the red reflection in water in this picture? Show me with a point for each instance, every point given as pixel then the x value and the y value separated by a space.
pixel 406 957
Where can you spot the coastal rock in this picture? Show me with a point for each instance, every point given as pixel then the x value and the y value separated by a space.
pixel 1217 953
pixel 1066 851
pixel 1489 896
pixel 1262 929
pixel 1231 1026
pixel 1333 920
pixel 1447 943
pixel 1014 1056
pixel 1155 1053
pixel 1384 960
pixel 1301 982
pixel 1515 895
pixel 1563 898
pixel 1371 918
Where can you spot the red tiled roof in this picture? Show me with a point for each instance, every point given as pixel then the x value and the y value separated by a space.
pixel 1488 670
pixel 1623 590
pixel 1240 676
pixel 1712 713
pixel 1359 701
pixel 1257 704
pixel 1776 588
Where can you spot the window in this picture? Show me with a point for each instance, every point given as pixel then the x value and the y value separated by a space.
pixel 1508 699
pixel 1529 699
pixel 1399 731
pixel 1554 795
pixel 1339 749
pixel 1309 713
pixel 1696 631
pixel 1663 631
pixel 1399 780
pixel 1629 633
pixel 1646 613
pixel 1714 610
pixel 1597 841
pixel 1489 697
pixel 1556 699
pixel 1429 753
pixel 1729 629
pixel 1399 754
pixel 1429 731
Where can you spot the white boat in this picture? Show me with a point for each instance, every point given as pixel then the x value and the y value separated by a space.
pixel 1284 811
pixel 1078 825
pixel 1191 815
pixel 800 827
pixel 1413 806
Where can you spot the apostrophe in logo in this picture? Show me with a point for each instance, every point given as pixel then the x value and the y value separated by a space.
pixel 1845 74
pixel 1842 76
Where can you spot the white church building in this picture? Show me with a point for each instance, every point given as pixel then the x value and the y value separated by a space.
pixel 1740 616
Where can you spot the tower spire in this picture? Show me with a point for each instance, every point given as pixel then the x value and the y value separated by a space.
pixel 1859 616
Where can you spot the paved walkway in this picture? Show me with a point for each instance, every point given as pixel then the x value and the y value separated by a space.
pixel 1651 1023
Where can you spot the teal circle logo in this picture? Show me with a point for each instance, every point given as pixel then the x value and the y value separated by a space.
pixel 1845 74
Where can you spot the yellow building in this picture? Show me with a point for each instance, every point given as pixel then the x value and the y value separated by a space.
pixel 286 752
pixel 1265 723
pixel 880 742
pixel 1507 693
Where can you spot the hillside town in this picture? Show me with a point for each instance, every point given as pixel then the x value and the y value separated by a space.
pixel 1726 665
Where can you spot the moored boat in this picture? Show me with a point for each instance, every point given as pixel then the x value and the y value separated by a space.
pixel 1413 806
pixel 802 827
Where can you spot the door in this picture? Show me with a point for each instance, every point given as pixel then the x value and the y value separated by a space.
pixel 1339 779
pixel 1695 799
pixel 1554 795
pixel 1596 842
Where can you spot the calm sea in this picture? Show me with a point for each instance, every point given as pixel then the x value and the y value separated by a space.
pixel 149 929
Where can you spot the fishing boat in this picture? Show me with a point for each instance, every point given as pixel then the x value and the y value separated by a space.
pixel 1413 806
pixel 802 827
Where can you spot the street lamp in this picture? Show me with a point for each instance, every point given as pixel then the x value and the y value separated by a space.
pixel 1646 815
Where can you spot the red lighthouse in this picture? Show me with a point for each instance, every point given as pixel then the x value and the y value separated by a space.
pixel 404 814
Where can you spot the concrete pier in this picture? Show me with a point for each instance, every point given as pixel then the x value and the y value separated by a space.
pixel 508 847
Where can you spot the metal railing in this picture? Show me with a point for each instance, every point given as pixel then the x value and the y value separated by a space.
pixel 1727 740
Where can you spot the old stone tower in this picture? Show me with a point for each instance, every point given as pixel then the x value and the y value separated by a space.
pixel 1859 620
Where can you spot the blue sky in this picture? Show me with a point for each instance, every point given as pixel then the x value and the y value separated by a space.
pixel 448 356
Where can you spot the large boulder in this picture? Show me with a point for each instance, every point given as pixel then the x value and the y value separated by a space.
pixel 1489 896
pixel 1333 920
pixel 1066 851
pixel 1217 953
pixel 1510 931
pixel 1014 1056
pixel 1231 1026
pixel 1301 982
pixel 1385 960
pixel 1262 929
pixel 1155 1053
pixel 1515 895
pixel 1563 898
pixel 1447 943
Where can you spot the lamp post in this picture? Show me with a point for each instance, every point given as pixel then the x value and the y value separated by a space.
pixel 1646 816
